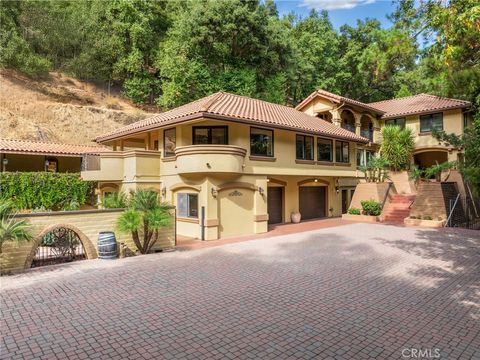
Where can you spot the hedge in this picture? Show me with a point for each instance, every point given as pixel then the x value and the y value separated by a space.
pixel 44 190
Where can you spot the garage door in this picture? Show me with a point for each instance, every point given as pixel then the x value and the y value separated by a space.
pixel 312 202
pixel 235 212
pixel 275 205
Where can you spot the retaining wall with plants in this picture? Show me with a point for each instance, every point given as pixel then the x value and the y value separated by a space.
pixel 87 224
pixel 370 191
pixel 432 201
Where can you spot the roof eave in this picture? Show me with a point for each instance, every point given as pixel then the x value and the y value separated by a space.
pixel 207 115
pixel 429 111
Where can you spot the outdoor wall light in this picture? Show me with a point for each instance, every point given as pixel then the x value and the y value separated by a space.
pixel 214 192
pixel 316 180
pixel 261 191
pixel 5 161
pixel 337 189
pixel 164 191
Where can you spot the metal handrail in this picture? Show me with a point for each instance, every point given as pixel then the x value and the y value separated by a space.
pixel 386 194
pixel 451 211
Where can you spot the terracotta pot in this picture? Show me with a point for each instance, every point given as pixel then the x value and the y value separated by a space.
pixel 296 217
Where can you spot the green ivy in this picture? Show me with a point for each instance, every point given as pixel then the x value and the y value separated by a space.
pixel 43 190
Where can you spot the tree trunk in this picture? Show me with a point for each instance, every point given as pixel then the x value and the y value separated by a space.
pixel 136 240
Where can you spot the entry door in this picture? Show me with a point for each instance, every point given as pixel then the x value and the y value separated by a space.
pixel 344 201
pixel 275 205
pixel 312 202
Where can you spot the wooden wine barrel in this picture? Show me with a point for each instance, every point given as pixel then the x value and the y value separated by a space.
pixel 107 245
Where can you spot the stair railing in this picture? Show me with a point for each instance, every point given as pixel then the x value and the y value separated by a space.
pixel 386 194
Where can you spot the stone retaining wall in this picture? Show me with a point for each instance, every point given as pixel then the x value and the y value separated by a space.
pixel 87 225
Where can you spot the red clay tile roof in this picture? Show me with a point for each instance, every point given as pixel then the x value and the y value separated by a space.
pixel 46 148
pixel 230 107
pixel 337 99
pixel 417 104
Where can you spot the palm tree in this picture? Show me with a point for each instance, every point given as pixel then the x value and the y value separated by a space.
pixel 397 146
pixel 144 216
pixel 11 230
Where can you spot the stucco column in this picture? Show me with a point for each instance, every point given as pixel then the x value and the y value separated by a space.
pixel 209 198
pixel 336 118
pixel 260 212
pixel 358 123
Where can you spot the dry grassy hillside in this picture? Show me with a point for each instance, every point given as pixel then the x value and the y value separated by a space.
pixel 60 109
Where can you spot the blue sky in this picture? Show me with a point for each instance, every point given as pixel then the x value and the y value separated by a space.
pixel 340 11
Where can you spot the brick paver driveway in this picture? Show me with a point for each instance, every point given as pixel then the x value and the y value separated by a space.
pixel 350 292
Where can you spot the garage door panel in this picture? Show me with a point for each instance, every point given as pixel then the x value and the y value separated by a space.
pixel 312 202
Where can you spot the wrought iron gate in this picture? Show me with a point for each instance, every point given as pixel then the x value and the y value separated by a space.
pixel 60 245
pixel 464 212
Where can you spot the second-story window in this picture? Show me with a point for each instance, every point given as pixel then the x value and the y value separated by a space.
pixel 217 135
pixel 169 142
pixel 324 150
pixel 304 147
pixel 399 122
pixel 341 151
pixel 431 122
pixel 261 142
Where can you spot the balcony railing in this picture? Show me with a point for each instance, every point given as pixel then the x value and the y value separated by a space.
pixel 90 162
pixel 210 158
pixel 348 127
pixel 128 165
pixel 367 133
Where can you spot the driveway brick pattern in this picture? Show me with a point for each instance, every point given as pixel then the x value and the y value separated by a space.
pixel 358 291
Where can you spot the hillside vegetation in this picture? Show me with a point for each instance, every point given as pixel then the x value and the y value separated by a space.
pixel 60 109
pixel 171 52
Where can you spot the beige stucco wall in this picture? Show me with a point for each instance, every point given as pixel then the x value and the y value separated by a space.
pixel 20 162
pixel 87 224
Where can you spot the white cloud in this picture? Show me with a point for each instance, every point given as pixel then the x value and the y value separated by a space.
pixel 334 4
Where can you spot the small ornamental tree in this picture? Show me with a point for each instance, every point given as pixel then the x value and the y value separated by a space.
pixel 397 147
pixel 12 230
pixel 144 217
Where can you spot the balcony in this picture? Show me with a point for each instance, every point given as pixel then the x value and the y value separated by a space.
pixel 367 133
pixel 210 159
pixel 129 165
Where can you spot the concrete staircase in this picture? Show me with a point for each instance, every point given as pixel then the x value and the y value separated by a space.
pixel 398 208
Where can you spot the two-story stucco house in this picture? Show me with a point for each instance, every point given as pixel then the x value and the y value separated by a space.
pixel 232 165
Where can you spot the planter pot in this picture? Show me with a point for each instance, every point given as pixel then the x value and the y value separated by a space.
pixel 424 223
pixel 361 218
pixel 296 217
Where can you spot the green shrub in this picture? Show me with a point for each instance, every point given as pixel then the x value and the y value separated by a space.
pixel 427 217
pixel 413 217
pixel 371 207
pixel 115 200
pixel 353 211
pixel 44 190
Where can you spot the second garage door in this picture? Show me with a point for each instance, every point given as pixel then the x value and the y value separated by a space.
pixel 312 202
